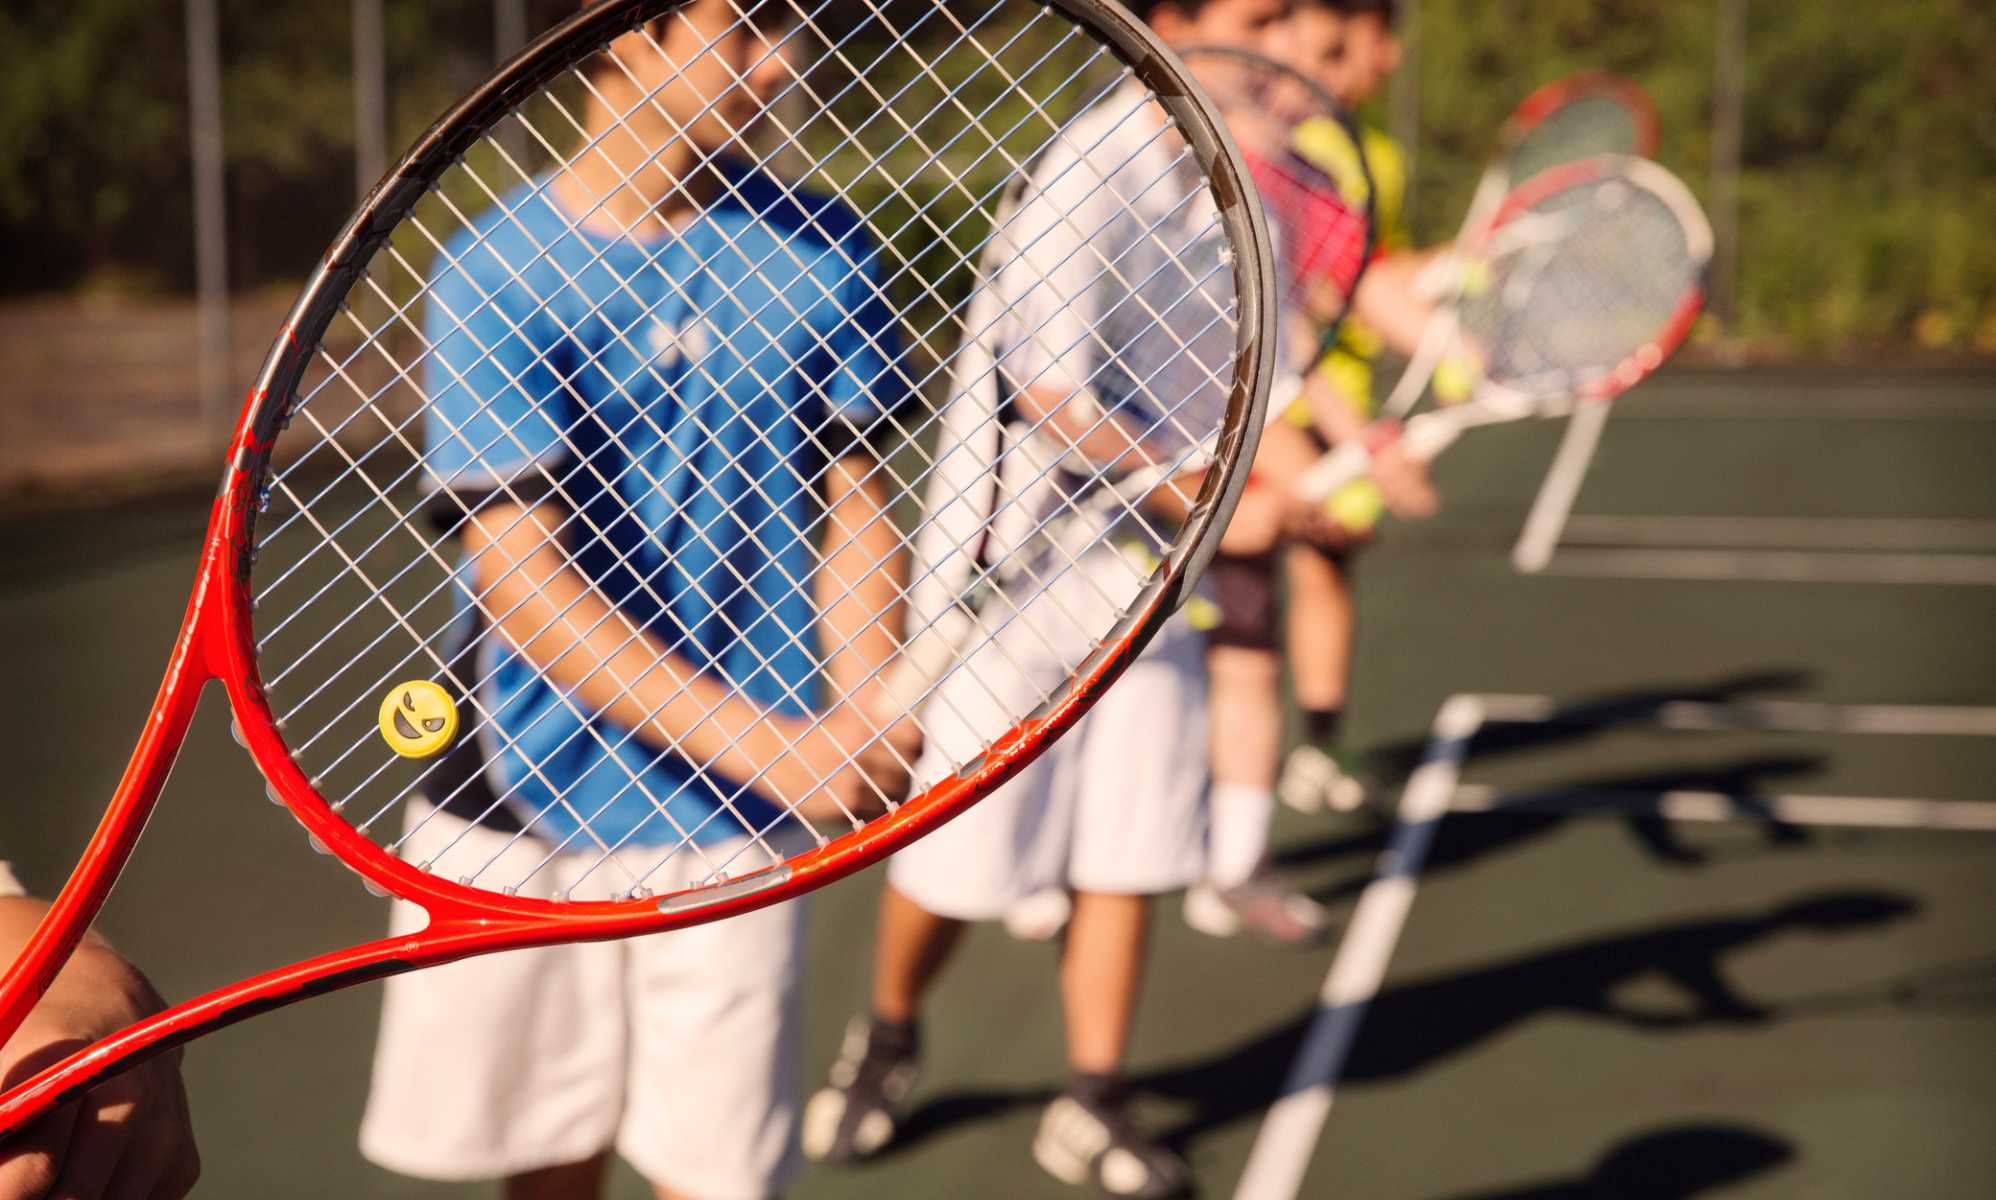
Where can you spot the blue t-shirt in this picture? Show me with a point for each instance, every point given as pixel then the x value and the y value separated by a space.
pixel 677 391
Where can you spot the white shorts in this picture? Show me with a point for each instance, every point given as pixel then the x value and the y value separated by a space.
pixel 680 1049
pixel 1117 805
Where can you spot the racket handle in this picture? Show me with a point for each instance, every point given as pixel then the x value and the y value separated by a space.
pixel 1421 439
pixel 1346 464
pixel 1431 433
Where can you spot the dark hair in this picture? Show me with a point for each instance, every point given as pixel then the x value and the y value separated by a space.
pixel 1144 10
pixel 1386 10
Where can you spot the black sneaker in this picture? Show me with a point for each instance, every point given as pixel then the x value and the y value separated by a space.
pixel 1087 1141
pixel 852 1116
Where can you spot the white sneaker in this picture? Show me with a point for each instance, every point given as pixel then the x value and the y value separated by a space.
pixel 1079 1143
pixel 1264 906
pixel 1313 780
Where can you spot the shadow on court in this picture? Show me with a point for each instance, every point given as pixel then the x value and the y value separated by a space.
pixel 1413 1026
pixel 1589 718
pixel 1467 838
pixel 1672 1163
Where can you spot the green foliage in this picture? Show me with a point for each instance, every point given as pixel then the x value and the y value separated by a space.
pixel 1868 193
pixel 1869 161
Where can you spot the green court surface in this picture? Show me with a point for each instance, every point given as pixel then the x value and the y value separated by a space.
pixel 1581 1004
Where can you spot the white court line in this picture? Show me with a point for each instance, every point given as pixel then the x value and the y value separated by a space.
pixel 1787 533
pixel 1295 1122
pixel 1853 812
pixel 1294 1126
pixel 1778 566
pixel 1772 716
pixel 1554 503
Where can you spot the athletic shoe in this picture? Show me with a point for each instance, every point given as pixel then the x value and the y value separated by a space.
pixel 1082 1142
pixel 1313 780
pixel 1264 906
pixel 1039 917
pixel 852 1116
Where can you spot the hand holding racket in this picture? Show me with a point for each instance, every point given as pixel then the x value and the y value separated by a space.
pixel 1584 281
pixel 553 506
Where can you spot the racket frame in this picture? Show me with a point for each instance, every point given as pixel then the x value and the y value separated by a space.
pixel 217 641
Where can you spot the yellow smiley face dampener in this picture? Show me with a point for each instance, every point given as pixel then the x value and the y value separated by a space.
pixel 418 719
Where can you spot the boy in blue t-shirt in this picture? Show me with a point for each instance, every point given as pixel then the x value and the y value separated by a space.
pixel 649 374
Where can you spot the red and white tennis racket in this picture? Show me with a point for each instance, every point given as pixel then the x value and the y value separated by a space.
pixel 1584 281
pixel 557 470
pixel 1578 117
pixel 1305 154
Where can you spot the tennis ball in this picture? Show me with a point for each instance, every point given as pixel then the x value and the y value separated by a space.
pixel 1357 506
pixel 1455 381
pixel 1475 277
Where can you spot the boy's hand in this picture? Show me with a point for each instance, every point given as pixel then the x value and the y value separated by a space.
pixel 131 1135
pixel 847 765
pixel 1403 481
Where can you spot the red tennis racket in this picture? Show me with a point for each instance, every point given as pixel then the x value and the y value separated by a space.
pixel 593 450
pixel 1584 281
pixel 1580 116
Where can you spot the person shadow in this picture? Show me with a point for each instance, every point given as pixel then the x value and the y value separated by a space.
pixel 1414 1025
pixel 1674 1162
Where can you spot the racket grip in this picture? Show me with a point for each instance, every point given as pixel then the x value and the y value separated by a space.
pixel 1350 461
pixel 1431 433
pixel 1421 439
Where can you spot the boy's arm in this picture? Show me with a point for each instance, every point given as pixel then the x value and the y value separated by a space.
pixel 569 630
pixel 861 586
pixel 861 590
pixel 1389 299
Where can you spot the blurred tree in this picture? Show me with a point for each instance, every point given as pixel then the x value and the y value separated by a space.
pixel 1869 165
pixel 1869 159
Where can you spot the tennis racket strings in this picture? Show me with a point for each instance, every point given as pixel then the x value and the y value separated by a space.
pixel 1316 187
pixel 1581 284
pixel 560 425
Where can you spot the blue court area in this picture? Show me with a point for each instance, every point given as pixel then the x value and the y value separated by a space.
pixel 1706 911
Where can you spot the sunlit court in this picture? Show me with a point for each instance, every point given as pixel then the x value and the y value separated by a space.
pixel 997 598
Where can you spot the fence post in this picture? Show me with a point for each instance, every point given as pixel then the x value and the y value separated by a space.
pixel 1728 134
pixel 370 96
pixel 211 250
pixel 1404 95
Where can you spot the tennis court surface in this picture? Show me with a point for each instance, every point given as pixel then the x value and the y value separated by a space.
pixel 1709 913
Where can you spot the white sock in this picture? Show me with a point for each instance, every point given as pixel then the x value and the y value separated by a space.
pixel 1237 837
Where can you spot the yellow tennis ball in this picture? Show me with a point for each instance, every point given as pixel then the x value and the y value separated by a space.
pixel 1201 614
pixel 1357 506
pixel 1475 277
pixel 1455 381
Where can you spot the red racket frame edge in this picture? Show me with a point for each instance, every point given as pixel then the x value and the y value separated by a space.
pixel 216 641
pixel 1549 98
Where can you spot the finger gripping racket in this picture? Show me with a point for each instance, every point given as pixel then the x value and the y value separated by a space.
pixel 1586 280
pixel 572 508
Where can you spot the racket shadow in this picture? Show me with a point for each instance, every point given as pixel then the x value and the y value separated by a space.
pixel 1589 718
pixel 1473 837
